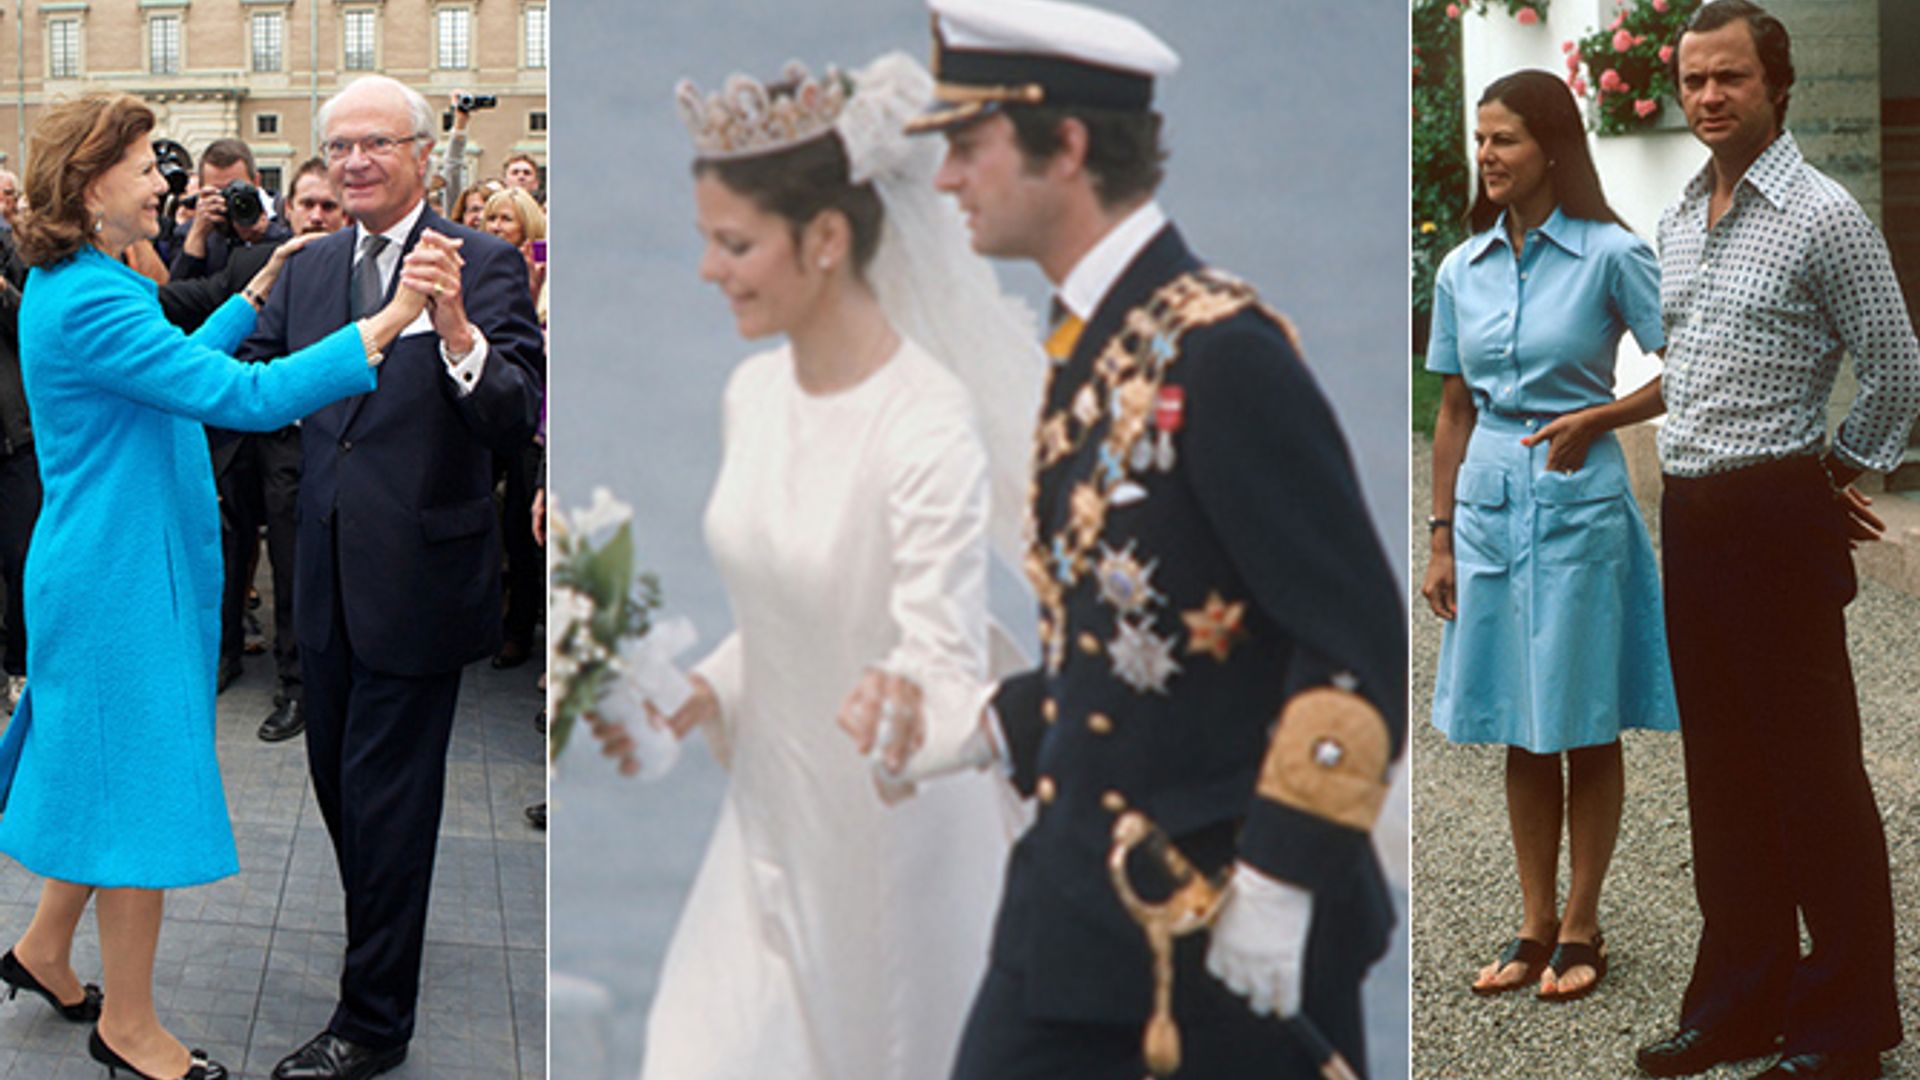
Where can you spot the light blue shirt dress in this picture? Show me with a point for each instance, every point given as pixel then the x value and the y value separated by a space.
pixel 107 769
pixel 1559 641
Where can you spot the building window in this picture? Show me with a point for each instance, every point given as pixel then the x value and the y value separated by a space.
pixel 454 36
pixel 266 124
pixel 536 37
pixel 63 49
pixel 269 38
pixel 537 120
pixel 270 180
pixel 163 45
pixel 359 40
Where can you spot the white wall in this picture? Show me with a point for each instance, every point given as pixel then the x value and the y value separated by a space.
pixel 1641 173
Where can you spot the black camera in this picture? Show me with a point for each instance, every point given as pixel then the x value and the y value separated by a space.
pixel 467 103
pixel 174 164
pixel 244 206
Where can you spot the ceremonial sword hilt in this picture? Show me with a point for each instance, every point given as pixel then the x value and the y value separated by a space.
pixel 1193 905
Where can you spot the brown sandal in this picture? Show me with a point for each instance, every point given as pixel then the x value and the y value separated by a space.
pixel 1531 953
pixel 1568 955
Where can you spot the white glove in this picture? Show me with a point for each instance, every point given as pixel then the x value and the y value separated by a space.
pixel 1259 945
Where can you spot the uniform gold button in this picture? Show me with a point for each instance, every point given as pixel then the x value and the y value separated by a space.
pixel 1113 802
pixel 1089 644
pixel 1045 789
pixel 1100 724
pixel 1049 710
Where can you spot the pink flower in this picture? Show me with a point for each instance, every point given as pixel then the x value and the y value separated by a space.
pixel 1617 20
pixel 1639 39
pixel 1566 46
pixel 1666 54
pixel 1660 6
pixel 1622 41
pixel 1611 81
pixel 1573 62
pixel 1580 87
pixel 1453 11
pixel 1527 16
pixel 1644 108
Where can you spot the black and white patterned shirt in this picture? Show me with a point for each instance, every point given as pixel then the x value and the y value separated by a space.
pixel 1758 312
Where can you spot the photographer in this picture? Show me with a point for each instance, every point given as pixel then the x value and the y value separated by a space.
pixel 460 109
pixel 217 227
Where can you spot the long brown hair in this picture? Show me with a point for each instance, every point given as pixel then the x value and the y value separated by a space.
pixel 72 144
pixel 1545 105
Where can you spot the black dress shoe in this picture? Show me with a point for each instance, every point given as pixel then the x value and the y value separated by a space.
pixel 228 672
pixel 1824 1067
pixel 284 722
pixel 18 978
pixel 329 1057
pixel 1694 1050
pixel 512 654
pixel 203 1067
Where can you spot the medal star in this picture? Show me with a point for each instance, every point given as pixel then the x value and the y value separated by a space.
pixel 1214 627
pixel 1141 658
pixel 1125 582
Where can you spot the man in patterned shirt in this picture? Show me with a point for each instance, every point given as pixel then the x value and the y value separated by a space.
pixel 1770 273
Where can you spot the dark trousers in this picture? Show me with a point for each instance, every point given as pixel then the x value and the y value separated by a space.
pixel 1003 1042
pixel 526 562
pixel 1758 576
pixel 19 509
pixel 238 482
pixel 277 458
pixel 377 750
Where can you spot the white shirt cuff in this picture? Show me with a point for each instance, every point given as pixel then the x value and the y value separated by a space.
pixel 465 370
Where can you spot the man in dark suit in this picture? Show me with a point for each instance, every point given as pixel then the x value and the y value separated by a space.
pixel 1224 645
pixel 397 562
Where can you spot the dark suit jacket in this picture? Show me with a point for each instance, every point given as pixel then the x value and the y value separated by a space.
pixel 402 477
pixel 1257 535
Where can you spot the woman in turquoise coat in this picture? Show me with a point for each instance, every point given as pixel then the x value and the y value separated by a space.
pixel 109 785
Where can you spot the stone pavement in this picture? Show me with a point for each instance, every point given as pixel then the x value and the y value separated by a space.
pixel 1467 901
pixel 248 967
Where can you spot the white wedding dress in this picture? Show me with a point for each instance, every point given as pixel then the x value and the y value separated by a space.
pixel 829 936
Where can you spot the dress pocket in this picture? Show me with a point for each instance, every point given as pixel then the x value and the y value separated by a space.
pixel 1583 516
pixel 1481 517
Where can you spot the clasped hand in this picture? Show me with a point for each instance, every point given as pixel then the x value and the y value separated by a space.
pixel 432 271
pixel 885 711
pixel 617 742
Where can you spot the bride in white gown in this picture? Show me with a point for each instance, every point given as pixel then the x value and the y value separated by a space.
pixel 829 935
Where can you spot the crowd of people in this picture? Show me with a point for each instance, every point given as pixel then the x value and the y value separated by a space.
pixel 335 369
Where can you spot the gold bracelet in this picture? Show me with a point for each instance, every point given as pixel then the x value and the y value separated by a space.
pixel 374 355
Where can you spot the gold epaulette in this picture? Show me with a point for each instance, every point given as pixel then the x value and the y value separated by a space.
pixel 1328 757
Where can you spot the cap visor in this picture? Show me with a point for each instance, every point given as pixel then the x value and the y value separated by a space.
pixel 947 115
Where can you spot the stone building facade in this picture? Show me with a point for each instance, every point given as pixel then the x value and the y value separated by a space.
pixel 258 70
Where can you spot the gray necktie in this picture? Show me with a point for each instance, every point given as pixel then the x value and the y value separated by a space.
pixel 369 291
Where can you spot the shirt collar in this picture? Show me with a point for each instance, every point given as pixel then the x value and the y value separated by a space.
pixel 1771 174
pixel 1569 234
pixel 1093 276
pixel 396 233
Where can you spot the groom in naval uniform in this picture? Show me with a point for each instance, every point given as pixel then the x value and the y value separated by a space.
pixel 1224 645
pixel 397 581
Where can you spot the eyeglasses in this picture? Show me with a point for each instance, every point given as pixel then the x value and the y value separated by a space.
pixel 370 145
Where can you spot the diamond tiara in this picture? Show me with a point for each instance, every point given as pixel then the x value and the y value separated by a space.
pixel 746 117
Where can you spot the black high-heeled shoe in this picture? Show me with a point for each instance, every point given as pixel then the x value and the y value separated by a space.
pixel 203 1067
pixel 18 978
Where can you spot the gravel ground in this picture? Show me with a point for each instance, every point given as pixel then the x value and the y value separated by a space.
pixel 1466 902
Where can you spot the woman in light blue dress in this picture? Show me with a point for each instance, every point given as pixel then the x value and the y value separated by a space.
pixel 1540 562
pixel 108 779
